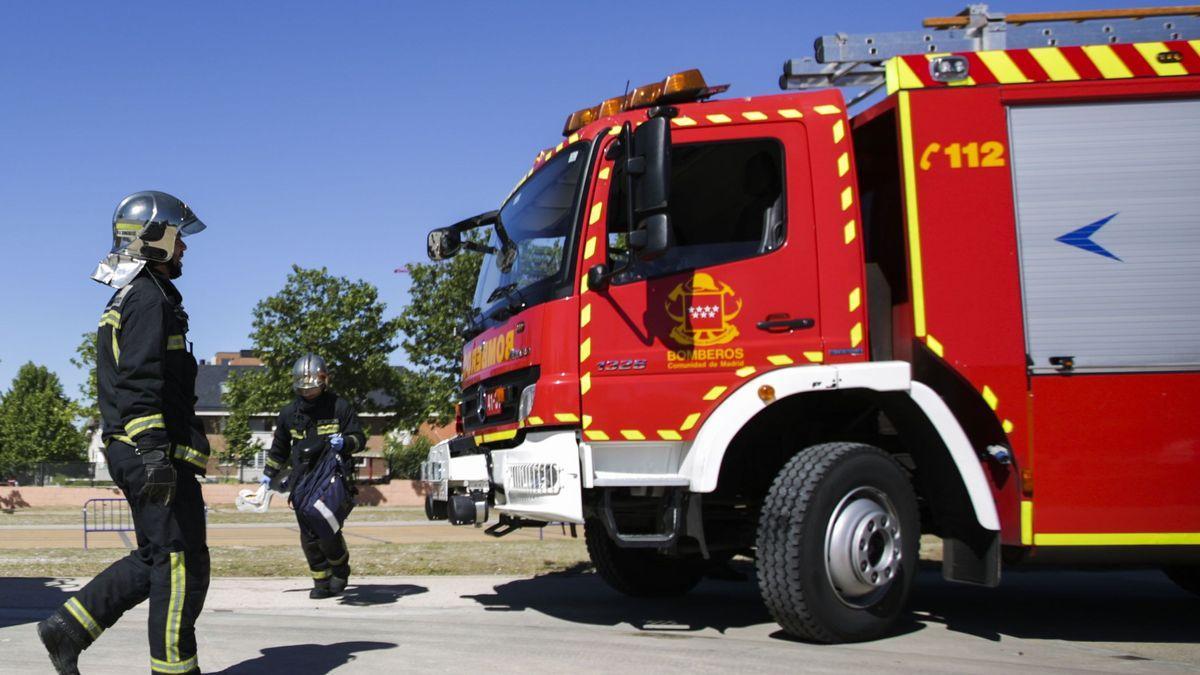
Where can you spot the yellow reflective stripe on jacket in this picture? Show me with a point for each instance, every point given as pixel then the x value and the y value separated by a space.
pixel 172 667
pixel 140 424
pixel 273 463
pixel 111 318
pixel 116 348
pixel 191 456
pixel 297 434
pixel 84 617
pixel 326 429
pixel 124 439
pixel 176 342
pixel 175 606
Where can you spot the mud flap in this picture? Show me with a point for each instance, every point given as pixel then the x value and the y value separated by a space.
pixel 541 478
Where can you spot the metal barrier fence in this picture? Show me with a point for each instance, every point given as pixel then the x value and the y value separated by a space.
pixel 106 515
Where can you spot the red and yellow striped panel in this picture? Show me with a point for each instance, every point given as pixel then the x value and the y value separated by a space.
pixel 1054 64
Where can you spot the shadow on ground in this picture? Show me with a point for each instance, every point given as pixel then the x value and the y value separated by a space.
pixel 1122 606
pixel 304 659
pixel 576 596
pixel 29 599
pixel 366 595
pixel 1084 606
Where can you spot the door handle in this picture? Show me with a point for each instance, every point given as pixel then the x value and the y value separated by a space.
pixel 783 323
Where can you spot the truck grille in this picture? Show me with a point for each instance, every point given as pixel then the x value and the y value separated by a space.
pixel 534 478
pixel 433 471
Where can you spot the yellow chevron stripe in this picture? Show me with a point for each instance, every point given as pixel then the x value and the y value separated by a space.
pixel 1107 62
pixel 1002 67
pixel 1150 52
pixel 1054 63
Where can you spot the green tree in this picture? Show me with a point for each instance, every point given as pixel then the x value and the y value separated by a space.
pixel 441 299
pixel 246 392
pixel 404 456
pixel 37 422
pixel 341 320
pixel 85 359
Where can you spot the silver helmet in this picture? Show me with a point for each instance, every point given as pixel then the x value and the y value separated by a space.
pixel 309 372
pixel 146 224
pixel 145 227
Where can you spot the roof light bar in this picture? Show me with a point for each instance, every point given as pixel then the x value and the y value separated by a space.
pixel 681 87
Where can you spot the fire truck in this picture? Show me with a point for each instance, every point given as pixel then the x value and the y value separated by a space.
pixel 761 326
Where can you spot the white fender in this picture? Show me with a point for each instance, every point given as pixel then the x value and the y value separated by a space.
pixel 702 462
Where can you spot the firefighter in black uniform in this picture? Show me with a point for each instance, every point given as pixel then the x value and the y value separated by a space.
pixel 317 421
pixel 154 444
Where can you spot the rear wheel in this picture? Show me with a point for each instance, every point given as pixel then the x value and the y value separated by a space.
pixel 639 572
pixel 837 543
pixel 1187 576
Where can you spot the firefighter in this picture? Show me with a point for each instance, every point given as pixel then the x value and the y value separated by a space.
pixel 317 421
pixel 154 444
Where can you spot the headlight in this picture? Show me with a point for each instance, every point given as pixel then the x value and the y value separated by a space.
pixel 526 405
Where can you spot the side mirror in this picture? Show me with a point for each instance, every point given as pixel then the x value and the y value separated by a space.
pixel 598 277
pixel 443 243
pixel 648 169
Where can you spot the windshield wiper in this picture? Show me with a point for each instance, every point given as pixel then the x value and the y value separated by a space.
pixel 510 292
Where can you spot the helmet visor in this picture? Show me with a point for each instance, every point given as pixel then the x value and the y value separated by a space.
pixel 189 224
pixel 304 381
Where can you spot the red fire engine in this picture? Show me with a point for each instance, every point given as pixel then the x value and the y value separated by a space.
pixel 761 326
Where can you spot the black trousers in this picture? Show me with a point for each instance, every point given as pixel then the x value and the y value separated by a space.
pixel 325 558
pixel 170 567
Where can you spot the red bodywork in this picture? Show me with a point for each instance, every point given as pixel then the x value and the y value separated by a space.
pixel 1109 454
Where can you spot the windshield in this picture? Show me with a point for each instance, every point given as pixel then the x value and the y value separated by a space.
pixel 539 219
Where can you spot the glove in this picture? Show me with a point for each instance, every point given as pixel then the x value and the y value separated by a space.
pixel 265 480
pixel 337 442
pixel 159 487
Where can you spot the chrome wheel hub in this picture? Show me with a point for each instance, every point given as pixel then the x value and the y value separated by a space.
pixel 862 546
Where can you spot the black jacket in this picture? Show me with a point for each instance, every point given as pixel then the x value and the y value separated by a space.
pixel 146 374
pixel 309 424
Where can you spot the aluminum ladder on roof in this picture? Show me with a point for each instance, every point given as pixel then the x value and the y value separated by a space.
pixel 845 60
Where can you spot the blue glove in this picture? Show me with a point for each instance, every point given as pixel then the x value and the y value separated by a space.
pixel 336 442
pixel 265 480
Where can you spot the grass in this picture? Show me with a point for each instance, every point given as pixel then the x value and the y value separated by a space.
pixel 279 513
pixel 516 558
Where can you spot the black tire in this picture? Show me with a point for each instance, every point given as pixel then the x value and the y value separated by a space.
pixel 1186 576
pixel 793 566
pixel 639 572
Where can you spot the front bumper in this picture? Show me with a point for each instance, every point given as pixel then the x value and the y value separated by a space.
pixel 539 479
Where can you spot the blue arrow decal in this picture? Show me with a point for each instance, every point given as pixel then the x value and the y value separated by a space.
pixel 1082 238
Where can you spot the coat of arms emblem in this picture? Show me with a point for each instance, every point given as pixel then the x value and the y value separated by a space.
pixel 703 310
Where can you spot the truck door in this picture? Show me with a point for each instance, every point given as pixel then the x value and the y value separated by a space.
pixel 1107 211
pixel 736 293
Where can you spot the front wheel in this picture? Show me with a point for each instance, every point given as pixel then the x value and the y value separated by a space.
pixel 837 543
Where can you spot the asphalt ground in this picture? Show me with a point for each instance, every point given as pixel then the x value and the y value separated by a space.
pixel 1036 621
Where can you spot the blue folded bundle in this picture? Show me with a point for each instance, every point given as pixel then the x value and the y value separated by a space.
pixel 324 496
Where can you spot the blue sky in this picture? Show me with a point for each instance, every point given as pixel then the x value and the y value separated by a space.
pixel 323 133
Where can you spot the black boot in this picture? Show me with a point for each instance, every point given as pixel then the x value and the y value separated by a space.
pixel 321 590
pixel 341 577
pixel 61 646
